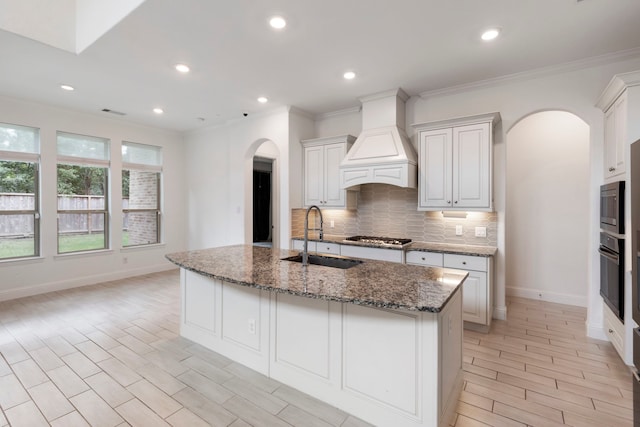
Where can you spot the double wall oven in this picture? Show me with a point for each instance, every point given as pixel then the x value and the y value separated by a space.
pixel 612 247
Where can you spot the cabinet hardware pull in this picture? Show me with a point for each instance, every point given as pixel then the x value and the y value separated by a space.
pixel 610 331
pixel 611 169
pixel 423 259
pixel 464 262
pixel 456 202
pixel 448 202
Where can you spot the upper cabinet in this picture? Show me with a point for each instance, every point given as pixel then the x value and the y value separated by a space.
pixel 615 119
pixel 619 100
pixel 455 163
pixel 322 157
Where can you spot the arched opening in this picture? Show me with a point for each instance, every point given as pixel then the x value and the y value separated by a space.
pixel 262 213
pixel 548 208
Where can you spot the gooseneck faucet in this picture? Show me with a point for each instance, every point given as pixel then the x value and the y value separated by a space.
pixel 305 251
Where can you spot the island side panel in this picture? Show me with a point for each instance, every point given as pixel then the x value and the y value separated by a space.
pixel 450 344
pixel 229 319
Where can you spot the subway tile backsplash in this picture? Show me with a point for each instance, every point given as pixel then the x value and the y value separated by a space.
pixel 386 210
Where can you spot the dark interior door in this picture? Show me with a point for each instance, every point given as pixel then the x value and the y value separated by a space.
pixel 261 206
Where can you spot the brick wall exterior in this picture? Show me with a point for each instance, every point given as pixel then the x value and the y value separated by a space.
pixel 143 194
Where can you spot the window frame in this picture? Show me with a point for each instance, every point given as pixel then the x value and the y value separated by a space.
pixel 142 167
pixel 93 163
pixel 26 156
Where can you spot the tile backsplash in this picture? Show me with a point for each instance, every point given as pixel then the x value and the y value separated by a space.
pixel 386 210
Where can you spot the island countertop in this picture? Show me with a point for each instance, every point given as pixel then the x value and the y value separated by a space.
pixel 372 283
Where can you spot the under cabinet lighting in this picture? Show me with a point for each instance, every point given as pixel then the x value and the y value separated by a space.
pixel 454 214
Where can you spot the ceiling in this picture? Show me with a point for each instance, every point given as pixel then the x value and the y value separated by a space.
pixel 235 56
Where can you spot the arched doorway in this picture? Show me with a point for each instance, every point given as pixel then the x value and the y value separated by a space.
pixel 548 208
pixel 262 207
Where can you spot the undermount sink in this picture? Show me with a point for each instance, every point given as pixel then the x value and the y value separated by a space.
pixel 326 261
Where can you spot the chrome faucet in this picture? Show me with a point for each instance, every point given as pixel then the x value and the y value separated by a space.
pixel 305 251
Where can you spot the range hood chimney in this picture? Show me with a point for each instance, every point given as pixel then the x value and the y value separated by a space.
pixel 382 153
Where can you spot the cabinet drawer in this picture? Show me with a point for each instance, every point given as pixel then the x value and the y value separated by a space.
pixel 465 262
pixel 614 329
pixel 431 259
pixel 328 248
pixel 380 254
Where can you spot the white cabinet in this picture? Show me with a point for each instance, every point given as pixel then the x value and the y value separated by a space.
pixel 615 124
pixel 322 157
pixel 319 247
pixel 477 295
pixel 455 165
pixel 380 254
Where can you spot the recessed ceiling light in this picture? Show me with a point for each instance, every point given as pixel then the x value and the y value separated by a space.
pixel 349 75
pixel 490 34
pixel 262 100
pixel 278 22
pixel 182 68
pixel 67 87
pixel 158 110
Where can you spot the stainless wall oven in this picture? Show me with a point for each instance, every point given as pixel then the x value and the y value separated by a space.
pixel 612 207
pixel 612 273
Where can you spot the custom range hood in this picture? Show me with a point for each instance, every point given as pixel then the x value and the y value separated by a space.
pixel 382 153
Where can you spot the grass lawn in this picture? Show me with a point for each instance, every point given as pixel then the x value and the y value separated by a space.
pixel 14 248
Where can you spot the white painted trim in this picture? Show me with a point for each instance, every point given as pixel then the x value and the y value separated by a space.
pixel 596 331
pixel 343 112
pixel 500 313
pixel 537 294
pixel 537 73
pixel 77 282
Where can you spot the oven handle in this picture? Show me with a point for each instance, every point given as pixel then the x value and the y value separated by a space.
pixel 635 374
pixel 609 255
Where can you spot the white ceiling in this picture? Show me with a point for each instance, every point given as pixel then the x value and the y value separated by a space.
pixel 419 45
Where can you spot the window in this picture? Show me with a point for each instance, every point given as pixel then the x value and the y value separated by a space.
pixel 141 189
pixel 83 206
pixel 19 195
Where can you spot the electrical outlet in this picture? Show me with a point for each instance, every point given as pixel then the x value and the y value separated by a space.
pixel 251 326
pixel 481 231
pixel 458 230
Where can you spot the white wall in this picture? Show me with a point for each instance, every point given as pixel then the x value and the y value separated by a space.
pixel 219 179
pixel 547 195
pixel 53 272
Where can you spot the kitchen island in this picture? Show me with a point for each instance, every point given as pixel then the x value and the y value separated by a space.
pixel 380 340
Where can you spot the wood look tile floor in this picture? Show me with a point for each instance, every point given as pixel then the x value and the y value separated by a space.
pixel 110 355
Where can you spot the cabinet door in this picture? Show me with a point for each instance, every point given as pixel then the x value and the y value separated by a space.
pixel 313 175
pixel 471 166
pixel 434 178
pixel 334 196
pixel 474 298
pixel 621 133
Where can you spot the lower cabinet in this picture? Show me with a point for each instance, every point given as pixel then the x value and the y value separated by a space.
pixel 477 301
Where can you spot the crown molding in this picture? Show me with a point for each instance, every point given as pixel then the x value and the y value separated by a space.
pixel 536 73
pixel 618 84
pixel 343 112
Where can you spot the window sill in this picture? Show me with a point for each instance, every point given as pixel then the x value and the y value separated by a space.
pixel 142 247
pixel 25 260
pixel 83 254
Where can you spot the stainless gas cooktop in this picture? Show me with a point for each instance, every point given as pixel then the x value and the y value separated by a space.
pixel 376 240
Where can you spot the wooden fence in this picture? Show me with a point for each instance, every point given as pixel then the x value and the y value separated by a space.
pixel 22 225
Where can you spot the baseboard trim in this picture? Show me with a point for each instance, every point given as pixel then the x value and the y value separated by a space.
pixel 500 313
pixel 543 295
pixel 596 331
pixel 77 282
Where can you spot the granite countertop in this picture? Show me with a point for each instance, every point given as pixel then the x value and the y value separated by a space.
pixel 372 283
pixel 453 248
pixel 483 251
